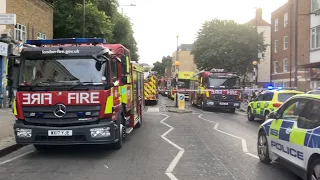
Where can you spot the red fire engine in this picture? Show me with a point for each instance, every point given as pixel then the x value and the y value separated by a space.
pixel 77 91
pixel 215 89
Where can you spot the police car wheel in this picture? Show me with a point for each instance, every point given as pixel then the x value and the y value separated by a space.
pixel 314 171
pixel 250 117
pixel 263 150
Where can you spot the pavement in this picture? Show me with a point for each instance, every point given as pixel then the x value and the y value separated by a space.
pixel 6 128
pixel 169 146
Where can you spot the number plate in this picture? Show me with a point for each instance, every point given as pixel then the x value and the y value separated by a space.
pixel 59 132
pixel 224 104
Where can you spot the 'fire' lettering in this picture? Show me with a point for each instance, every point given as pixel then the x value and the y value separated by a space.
pixel 43 98
pixel 83 97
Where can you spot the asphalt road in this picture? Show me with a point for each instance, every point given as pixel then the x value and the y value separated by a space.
pixel 199 145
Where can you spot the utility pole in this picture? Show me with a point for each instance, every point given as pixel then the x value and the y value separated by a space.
pixel 296 45
pixel 84 18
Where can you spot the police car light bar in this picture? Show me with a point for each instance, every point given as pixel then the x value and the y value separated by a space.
pixel 67 41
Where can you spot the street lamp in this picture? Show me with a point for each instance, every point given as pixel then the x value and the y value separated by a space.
pixel 126 5
pixel 176 63
pixel 255 65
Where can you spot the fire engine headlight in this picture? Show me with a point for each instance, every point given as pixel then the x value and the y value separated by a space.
pixel 236 104
pixel 100 132
pixel 24 133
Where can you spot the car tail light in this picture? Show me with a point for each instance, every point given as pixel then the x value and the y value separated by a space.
pixel 276 104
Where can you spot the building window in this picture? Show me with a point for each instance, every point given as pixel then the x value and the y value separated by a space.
pixel 20 32
pixel 285 65
pixel 285 43
pixel 41 36
pixel 276 46
pixel 285 20
pixel 315 5
pixel 275 67
pixel 315 37
pixel 276 25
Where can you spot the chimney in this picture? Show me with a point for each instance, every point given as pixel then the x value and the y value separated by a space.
pixel 259 14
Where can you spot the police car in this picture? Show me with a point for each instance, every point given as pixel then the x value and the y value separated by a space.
pixel 269 101
pixel 291 136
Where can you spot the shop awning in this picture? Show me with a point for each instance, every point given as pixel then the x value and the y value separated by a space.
pixel 310 65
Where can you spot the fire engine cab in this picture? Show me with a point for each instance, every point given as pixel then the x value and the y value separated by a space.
pixel 215 89
pixel 77 91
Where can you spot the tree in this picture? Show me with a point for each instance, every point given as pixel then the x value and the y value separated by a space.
pixel 123 34
pixel 225 44
pixel 159 67
pixel 102 20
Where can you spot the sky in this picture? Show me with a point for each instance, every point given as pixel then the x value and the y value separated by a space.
pixel 156 23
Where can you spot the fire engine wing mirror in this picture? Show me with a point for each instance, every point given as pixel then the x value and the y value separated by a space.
pixel 125 64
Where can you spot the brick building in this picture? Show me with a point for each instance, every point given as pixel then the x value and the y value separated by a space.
pixel 34 19
pixel 283 44
pixel 185 59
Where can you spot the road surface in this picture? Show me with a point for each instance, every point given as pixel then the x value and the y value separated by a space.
pixel 199 145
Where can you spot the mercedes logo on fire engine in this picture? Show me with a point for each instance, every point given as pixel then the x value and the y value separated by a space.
pixel 60 110
pixel 223 97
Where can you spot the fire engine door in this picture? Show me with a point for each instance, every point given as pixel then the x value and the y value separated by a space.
pixel 135 94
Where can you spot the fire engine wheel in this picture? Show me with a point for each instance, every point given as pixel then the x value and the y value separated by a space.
pixel 139 124
pixel 118 144
pixel 202 106
pixel 233 110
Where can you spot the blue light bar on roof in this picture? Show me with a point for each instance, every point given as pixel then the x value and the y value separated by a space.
pixel 67 41
pixel 270 87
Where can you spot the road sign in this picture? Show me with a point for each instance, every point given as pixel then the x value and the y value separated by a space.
pixel 181 101
pixel 7 19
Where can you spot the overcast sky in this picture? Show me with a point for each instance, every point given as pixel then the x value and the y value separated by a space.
pixel 156 23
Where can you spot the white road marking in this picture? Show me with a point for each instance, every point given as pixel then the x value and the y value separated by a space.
pixel 14 158
pixel 243 141
pixel 106 166
pixel 176 159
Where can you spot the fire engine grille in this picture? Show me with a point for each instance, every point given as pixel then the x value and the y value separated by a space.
pixel 223 98
pixel 74 114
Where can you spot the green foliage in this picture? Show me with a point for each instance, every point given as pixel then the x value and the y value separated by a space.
pixel 228 45
pixel 159 67
pixel 102 20
pixel 123 34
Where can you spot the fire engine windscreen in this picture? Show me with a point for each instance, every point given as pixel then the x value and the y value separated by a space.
pixel 60 70
pixel 183 83
pixel 223 82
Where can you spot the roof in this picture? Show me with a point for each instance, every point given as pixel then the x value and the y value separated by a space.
pixel 116 48
pixel 260 22
pixel 186 47
pixel 285 91
pixel 310 65
pixel 313 96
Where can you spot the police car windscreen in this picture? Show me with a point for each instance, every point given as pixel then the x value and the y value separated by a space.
pixel 57 71
pixel 217 82
pixel 282 97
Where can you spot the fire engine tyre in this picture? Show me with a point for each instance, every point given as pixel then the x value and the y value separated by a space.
pixel 121 130
pixel 203 108
pixel 118 144
pixel 263 149
pixel 250 116
pixel 139 124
